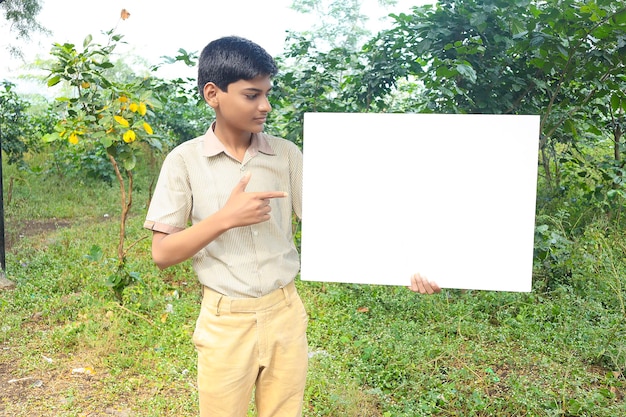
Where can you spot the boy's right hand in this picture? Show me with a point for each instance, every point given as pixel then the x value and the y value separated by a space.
pixel 244 209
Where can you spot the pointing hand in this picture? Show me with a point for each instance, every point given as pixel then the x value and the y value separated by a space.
pixel 244 208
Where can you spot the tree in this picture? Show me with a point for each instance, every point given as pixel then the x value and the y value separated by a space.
pixel 11 108
pixel 341 22
pixel 338 80
pixel 184 111
pixel 108 114
pixel 14 123
pixel 22 17
pixel 562 59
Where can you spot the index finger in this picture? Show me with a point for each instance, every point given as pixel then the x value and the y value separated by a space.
pixel 270 194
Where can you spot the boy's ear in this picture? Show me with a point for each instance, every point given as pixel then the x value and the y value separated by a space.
pixel 210 94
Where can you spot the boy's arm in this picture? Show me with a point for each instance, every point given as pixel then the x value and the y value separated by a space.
pixel 241 209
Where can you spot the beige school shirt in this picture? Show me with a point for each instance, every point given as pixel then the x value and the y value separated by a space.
pixel 196 180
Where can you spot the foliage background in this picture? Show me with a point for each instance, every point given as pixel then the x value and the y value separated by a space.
pixel 72 348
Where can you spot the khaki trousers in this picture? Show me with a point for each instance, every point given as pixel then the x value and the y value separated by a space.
pixel 243 343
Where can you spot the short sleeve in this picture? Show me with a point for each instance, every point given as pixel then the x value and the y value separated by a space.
pixel 170 207
pixel 295 174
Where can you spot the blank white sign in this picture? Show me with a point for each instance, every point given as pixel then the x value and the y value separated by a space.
pixel 449 196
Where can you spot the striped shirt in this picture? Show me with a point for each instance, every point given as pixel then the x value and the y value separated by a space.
pixel 196 180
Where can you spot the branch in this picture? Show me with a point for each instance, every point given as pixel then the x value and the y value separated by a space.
pixel 150 322
pixel 567 65
pixel 545 137
pixel 133 244
pixel 120 179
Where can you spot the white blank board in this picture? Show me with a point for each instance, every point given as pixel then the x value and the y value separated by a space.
pixel 449 196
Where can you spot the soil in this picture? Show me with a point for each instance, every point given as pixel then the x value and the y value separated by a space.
pixel 39 393
pixel 15 232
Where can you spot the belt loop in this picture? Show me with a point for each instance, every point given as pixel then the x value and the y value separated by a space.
pixel 217 307
pixel 286 293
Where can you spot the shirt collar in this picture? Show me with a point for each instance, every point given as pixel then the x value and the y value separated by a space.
pixel 213 146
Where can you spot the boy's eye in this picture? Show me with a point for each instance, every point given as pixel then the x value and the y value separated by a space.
pixel 254 96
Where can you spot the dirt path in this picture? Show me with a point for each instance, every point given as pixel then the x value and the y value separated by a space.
pixel 14 231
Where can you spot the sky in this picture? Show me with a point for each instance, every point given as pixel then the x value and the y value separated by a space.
pixel 159 28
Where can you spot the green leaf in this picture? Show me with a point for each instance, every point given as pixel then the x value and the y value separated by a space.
pixel 615 102
pixel 105 65
pixel 106 141
pixel 467 71
pixel 598 195
pixel 54 80
pixel 574 407
pixel 113 280
pixel 446 72
pixel 95 253
pixel 130 162
pixel 87 41
pixel 50 137
pixel 155 143
pixel 570 126
pixel 620 18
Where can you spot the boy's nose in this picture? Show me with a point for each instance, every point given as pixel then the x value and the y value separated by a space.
pixel 265 105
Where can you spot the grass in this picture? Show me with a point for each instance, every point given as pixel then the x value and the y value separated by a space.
pixel 375 350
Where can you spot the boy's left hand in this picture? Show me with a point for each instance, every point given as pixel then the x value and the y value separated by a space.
pixel 423 286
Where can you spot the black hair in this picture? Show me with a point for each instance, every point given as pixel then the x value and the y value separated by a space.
pixel 230 59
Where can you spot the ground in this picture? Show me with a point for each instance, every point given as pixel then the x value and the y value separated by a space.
pixel 40 395
pixel 15 232
pixel 39 392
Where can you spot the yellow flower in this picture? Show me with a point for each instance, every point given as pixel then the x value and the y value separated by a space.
pixel 123 99
pixel 85 84
pixel 133 107
pixel 129 136
pixel 121 120
pixel 142 108
pixel 73 139
pixel 147 128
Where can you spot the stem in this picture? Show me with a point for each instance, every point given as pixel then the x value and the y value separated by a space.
pixel 134 243
pixel 617 136
pixel 545 161
pixel 147 320
pixel 126 202
pixel 10 192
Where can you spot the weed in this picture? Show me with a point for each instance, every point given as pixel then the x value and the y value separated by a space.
pixel 375 350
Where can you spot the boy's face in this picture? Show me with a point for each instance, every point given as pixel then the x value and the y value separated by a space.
pixel 244 107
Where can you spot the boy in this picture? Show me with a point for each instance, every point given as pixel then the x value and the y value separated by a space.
pixel 238 187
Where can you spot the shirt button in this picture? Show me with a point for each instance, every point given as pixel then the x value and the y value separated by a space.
pixel 255 233
pixel 242 168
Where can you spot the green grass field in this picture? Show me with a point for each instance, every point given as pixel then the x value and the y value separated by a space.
pixel 68 348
